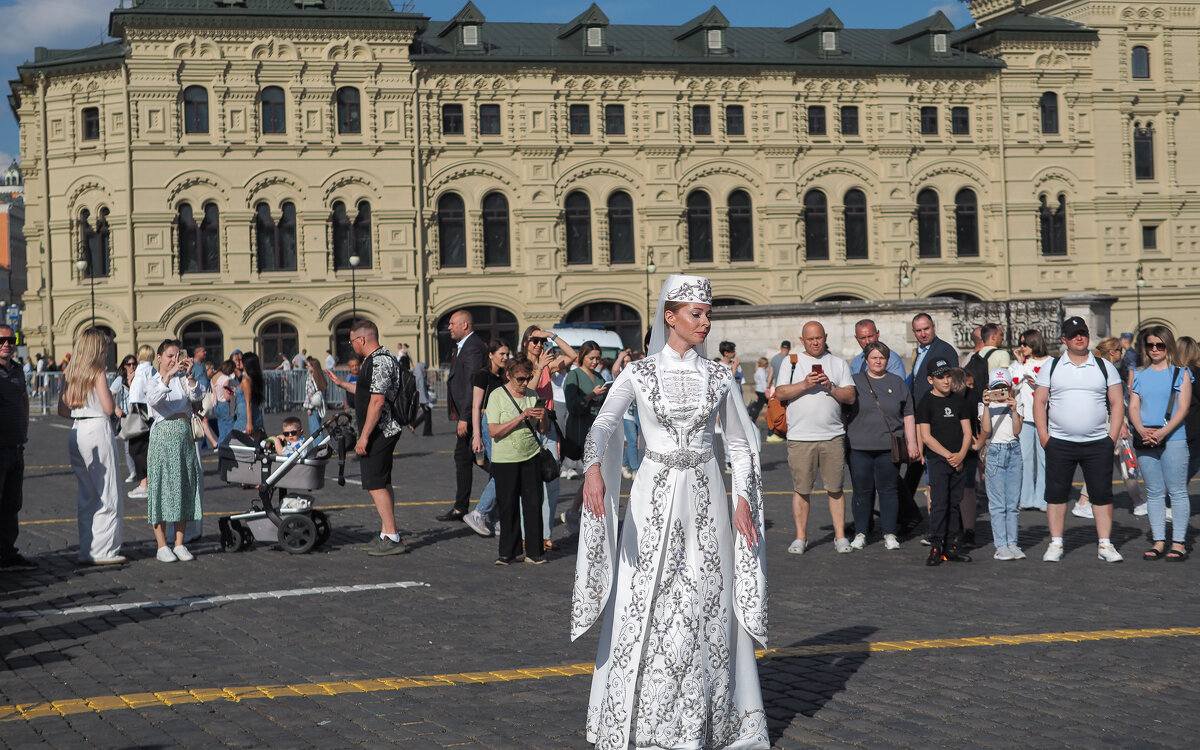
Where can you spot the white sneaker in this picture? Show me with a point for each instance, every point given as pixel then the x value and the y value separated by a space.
pixel 626 472
pixel 797 546
pixel 1140 509
pixel 773 438
pixel 165 555
pixel 1054 553
pixel 890 541
pixel 860 541
pixel 1018 554
pixel 1083 511
pixel 1004 553
pixel 182 554
pixel 1108 553
pixel 130 478
pixel 842 546
pixel 572 474
pixel 477 523
pixel 138 493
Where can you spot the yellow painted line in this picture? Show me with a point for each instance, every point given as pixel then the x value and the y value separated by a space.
pixel 237 694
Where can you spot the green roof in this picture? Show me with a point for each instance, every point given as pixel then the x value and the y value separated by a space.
pixel 56 58
pixel 229 12
pixel 1022 26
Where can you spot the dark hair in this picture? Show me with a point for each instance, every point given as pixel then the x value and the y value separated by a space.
pixel 228 367
pixel 252 367
pixel 876 346
pixel 725 347
pixel 493 347
pixel 526 336
pixel 988 330
pixel 405 362
pixel 363 326
pixel 316 373
pixel 920 315
pixel 1036 342
pixel 167 344
pixel 123 371
pixel 1161 332
pixel 590 346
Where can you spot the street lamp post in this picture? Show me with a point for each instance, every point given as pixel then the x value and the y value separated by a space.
pixel 354 261
pixel 904 279
pixel 82 266
pixel 650 269
pixel 1141 282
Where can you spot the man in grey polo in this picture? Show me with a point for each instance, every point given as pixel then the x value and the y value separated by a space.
pixel 14 430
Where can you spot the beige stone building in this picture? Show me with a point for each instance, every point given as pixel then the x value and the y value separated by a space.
pixel 219 167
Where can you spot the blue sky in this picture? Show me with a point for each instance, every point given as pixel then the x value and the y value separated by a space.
pixel 80 23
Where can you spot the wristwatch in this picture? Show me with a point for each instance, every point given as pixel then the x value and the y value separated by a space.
pixel 552 336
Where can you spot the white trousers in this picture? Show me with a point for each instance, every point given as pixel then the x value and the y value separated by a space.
pixel 94 459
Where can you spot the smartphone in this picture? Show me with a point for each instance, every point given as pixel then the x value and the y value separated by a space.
pixel 540 404
pixel 818 369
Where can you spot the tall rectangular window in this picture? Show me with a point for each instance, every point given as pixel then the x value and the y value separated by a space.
pixel 452 119
pixel 816 120
pixel 735 120
pixel 489 119
pixel 849 120
pixel 91 123
pixel 701 120
pixel 614 119
pixel 581 119
pixel 1149 236
pixel 960 121
pixel 1143 153
pixel 929 120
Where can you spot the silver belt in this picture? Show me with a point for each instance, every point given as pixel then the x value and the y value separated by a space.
pixel 681 458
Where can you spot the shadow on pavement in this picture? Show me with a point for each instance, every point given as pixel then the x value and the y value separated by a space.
pixel 803 683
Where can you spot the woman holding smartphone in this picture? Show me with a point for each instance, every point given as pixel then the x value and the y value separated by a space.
pixel 514 420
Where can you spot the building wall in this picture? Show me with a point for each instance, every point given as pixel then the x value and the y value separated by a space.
pixel 143 167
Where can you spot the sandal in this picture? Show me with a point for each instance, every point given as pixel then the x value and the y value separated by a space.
pixel 1176 555
pixel 549 546
pixel 1153 554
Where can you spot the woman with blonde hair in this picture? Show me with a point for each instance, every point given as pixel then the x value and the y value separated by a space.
pixel 140 444
pixel 315 386
pixel 87 400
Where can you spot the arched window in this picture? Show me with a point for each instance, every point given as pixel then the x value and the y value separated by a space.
pixel 199 242
pixel 741 226
pixel 1143 151
pixel 195 109
pixel 94 243
pixel 699 226
pixel 1048 107
pixel 489 323
pixel 1053 223
pixel 929 230
pixel 620 228
pixel 578 211
pixel 452 231
pixel 362 234
pixel 277 340
pixel 816 226
pixel 351 238
pixel 276 242
pixel 621 319
pixel 854 212
pixel 1140 62
pixel 274 110
pixel 966 223
pixel 349 119
pixel 207 334
pixel 495 231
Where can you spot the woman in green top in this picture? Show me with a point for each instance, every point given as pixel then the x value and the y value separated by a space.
pixel 513 412
pixel 584 391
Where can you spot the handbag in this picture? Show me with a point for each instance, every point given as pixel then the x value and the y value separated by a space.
pixel 777 410
pixel 899 442
pixel 134 424
pixel 547 464
pixel 1138 443
pixel 197 425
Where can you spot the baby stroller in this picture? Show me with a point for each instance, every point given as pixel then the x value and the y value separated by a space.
pixel 294 523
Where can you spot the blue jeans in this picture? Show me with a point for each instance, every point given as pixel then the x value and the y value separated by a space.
pixel 487 498
pixel 871 472
pixel 1164 470
pixel 314 423
pixel 1033 469
pixel 630 458
pixel 226 421
pixel 1004 483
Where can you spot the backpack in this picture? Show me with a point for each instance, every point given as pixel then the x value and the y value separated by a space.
pixel 407 404
pixel 977 368
pixel 1050 379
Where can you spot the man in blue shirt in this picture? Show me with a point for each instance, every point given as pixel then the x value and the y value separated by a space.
pixel 865 333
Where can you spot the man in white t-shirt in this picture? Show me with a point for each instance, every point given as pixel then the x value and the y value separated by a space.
pixel 1079 408
pixel 816 384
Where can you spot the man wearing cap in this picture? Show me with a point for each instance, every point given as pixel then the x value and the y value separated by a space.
pixel 1078 409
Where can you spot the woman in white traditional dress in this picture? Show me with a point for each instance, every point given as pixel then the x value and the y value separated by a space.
pixel 682 589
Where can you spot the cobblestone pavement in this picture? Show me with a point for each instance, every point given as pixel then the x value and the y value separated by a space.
pixel 439 648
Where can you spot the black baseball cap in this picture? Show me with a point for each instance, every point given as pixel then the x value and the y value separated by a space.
pixel 1074 326
pixel 940 368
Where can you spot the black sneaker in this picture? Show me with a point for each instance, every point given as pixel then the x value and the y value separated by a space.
pixel 451 515
pixel 935 557
pixel 954 554
pixel 968 539
pixel 17 561
pixel 384 546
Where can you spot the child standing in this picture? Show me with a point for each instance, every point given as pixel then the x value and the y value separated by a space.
pixel 760 388
pixel 1000 420
pixel 945 432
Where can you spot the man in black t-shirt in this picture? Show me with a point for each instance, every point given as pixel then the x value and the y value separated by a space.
pixel 945 429
pixel 14 430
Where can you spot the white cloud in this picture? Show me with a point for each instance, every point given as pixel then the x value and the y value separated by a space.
pixel 52 23
pixel 958 13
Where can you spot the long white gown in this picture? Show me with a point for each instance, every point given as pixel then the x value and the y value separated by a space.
pixel 675 666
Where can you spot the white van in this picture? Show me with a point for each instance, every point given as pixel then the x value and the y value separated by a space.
pixel 610 343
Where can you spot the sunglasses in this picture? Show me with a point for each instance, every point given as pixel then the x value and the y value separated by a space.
pixel 525 379
pixel 539 340
pixel 10 340
pixel 291 433
pixel 1154 345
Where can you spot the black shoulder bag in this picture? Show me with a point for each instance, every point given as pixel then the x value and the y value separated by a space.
pixel 546 462
pixel 1138 443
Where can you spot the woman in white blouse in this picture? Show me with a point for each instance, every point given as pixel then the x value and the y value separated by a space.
pixel 88 401
pixel 137 401
pixel 176 481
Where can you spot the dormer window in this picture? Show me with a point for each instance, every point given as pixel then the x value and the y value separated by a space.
pixel 829 41
pixel 595 36
pixel 470 35
pixel 940 45
pixel 716 40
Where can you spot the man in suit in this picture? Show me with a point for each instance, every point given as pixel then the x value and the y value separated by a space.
pixel 930 348
pixel 468 358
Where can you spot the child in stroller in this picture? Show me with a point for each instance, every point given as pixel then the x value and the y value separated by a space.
pixel 290 440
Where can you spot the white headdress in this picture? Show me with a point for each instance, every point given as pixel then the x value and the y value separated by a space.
pixel 678 288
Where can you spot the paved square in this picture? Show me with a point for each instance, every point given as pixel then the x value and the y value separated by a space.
pixel 439 648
